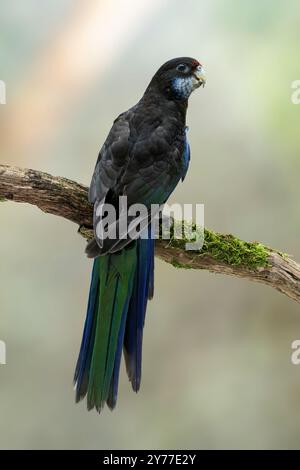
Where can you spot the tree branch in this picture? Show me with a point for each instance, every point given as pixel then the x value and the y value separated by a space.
pixel 221 253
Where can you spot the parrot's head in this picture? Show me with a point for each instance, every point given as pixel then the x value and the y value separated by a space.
pixel 178 78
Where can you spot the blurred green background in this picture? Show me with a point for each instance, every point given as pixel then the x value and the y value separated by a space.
pixel 216 364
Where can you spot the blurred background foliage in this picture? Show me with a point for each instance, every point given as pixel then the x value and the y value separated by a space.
pixel 217 370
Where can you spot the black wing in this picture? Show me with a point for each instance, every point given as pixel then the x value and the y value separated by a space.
pixel 112 161
pixel 141 159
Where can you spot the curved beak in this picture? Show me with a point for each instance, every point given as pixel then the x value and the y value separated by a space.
pixel 199 75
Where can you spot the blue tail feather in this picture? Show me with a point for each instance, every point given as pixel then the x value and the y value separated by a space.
pixel 86 347
pixel 143 288
pixel 151 247
pixel 130 334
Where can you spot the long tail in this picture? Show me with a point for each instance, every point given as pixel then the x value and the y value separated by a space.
pixel 120 287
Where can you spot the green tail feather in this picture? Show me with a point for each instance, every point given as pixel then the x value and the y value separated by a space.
pixel 116 275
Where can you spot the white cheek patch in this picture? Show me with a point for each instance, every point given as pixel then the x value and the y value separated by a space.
pixel 183 87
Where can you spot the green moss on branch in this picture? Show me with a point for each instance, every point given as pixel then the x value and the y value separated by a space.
pixel 232 250
pixel 226 248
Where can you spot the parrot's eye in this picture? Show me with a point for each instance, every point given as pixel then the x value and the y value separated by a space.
pixel 183 68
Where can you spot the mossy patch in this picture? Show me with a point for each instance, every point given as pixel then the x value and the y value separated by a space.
pixel 225 248
pixel 232 250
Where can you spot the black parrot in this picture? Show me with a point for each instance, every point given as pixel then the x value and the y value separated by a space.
pixel 143 158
